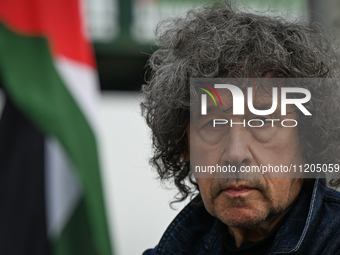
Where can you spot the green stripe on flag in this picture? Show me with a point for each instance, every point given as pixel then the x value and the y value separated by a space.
pixel 30 78
pixel 76 231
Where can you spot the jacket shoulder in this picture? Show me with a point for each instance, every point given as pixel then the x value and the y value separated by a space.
pixel 193 231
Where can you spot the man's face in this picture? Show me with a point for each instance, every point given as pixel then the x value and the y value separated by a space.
pixel 246 202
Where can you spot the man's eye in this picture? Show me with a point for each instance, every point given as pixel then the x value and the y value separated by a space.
pixel 210 123
pixel 216 123
pixel 264 119
pixel 258 121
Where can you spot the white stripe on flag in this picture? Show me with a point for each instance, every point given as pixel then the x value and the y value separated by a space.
pixel 82 82
pixel 62 187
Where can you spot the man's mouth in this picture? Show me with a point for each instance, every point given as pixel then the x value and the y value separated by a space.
pixel 240 190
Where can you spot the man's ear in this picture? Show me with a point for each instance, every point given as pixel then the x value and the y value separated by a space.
pixel 187 157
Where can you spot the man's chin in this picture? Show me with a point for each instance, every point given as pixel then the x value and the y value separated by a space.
pixel 242 218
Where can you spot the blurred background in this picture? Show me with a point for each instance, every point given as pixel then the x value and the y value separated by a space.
pixel 122 33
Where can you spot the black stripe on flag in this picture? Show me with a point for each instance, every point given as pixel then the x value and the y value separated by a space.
pixel 22 198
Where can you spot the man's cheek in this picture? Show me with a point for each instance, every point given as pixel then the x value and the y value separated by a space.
pixel 205 191
pixel 204 155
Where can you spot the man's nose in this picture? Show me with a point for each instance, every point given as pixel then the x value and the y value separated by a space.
pixel 237 150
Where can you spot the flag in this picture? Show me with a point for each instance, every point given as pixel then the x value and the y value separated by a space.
pixel 48 149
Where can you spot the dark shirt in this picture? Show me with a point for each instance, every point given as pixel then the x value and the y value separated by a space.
pixel 249 248
pixel 253 248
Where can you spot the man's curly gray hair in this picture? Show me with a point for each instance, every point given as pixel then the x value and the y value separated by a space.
pixel 222 41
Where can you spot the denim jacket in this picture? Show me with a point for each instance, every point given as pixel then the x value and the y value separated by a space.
pixel 313 227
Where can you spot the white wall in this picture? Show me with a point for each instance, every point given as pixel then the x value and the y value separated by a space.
pixel 138 206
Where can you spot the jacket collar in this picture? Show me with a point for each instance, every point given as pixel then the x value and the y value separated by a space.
pixel 292 233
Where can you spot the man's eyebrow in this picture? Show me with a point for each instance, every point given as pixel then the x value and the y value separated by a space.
pixel 257 106
pixel 213 108
pixel 262 105
pixel 227 110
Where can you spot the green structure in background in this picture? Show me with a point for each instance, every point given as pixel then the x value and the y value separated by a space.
pixel 122 56
pixel 137 19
